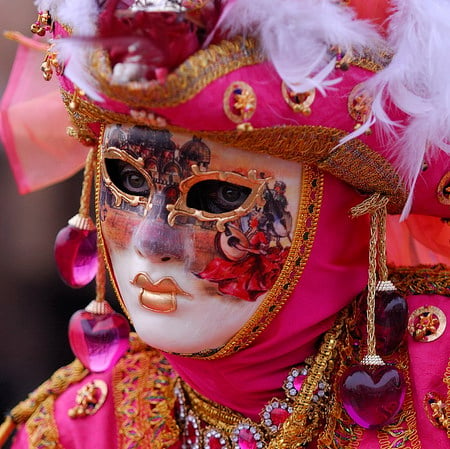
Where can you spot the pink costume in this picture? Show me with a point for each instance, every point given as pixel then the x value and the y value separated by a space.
pixel 309 328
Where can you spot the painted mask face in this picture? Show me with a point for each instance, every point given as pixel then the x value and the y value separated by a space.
pixel 196 233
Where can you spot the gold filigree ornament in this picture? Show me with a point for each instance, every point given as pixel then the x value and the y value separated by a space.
pixel 359 107
pixel 43 24
pixel 427 323
pixel 239 104
pixel 434 406
pixel 255 197
pixel 443 190
pixel 298 101
pixel 50 65
pixel 119 195
pixel 89 399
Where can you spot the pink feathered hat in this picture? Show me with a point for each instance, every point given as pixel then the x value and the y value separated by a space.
pixel 329 94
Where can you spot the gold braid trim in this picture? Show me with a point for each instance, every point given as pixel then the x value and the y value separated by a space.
pixel 353 162
pixel 421 280
pixel 41 427
pixel 53 387
pixel 144 399
pixel 37 410
pixel 200 70
pixel 210 412
pixel 192 76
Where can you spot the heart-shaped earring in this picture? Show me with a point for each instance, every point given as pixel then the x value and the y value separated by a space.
pixel 98 336
pixel 373 395
pixel 373 392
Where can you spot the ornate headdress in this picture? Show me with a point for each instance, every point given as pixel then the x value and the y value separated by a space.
pixel 310 81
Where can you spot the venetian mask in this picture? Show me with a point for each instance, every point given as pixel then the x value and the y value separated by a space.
pixel 196 233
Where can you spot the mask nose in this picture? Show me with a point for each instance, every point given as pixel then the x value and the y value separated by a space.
pixel 156 241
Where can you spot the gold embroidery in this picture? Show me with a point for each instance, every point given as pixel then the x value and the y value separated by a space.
pixel 421 280
pixel 41 427
pixel 447 402
pixel 144 400
pixel 402 433
pixel 187 80
pixel 307 415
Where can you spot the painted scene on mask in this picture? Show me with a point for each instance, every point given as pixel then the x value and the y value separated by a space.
pixel 222 213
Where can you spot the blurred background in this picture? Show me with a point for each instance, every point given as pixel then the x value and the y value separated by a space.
pixel 35 305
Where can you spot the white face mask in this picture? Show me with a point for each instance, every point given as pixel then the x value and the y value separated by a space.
pixel 196 233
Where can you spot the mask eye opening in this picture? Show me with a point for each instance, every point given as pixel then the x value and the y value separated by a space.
pixel 254 198
pixel 116 154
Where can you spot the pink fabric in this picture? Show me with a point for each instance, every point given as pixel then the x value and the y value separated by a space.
pixel 247 380
pixel 33 124
pixel 418 240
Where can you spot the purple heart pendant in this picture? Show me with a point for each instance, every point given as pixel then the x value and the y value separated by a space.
pixel 98 340
pixel 373 395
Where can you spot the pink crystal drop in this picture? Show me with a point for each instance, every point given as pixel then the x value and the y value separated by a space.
pixel 391 321
pixel 98 340
pixel 76 255
pixel 373 395
pixel 246 439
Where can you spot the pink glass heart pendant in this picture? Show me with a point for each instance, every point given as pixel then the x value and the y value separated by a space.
pixel 98 340
pixel 373 395
pixel 76 252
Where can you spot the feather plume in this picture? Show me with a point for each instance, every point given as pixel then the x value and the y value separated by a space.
pixel 80 15
pixel 417 82
pixel 297 35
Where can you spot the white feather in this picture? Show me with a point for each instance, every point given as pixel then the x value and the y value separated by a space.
pixel 75 56
pixel 417 81
pixel 80 15
pixel 296 36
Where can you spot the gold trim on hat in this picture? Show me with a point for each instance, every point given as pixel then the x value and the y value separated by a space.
pixel 353 162
pixel 197 72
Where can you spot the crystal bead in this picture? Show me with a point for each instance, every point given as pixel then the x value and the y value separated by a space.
pixel 98 340
pixel 391 321
pixel 76 255
pixel 372 396
pixel 246 439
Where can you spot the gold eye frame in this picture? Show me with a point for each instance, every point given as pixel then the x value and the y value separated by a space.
pixel 255 197
pixel 119 195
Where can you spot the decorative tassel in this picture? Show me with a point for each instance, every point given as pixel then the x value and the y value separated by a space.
pixel 372 391
pixel 76 245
